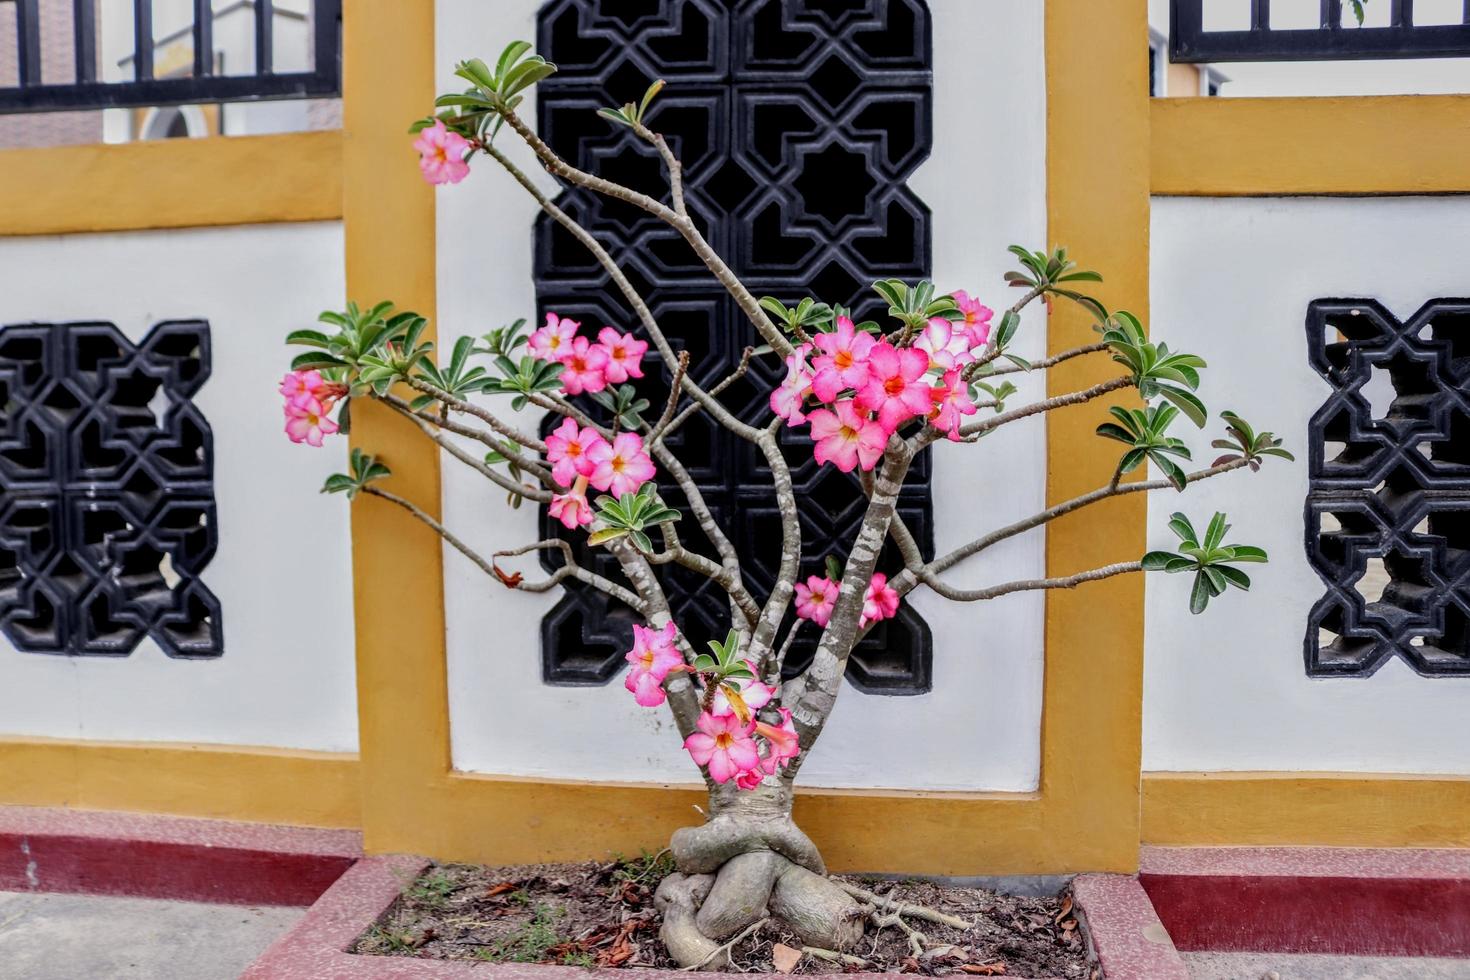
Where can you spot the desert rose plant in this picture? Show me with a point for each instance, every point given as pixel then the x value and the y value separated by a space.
pixel 870 396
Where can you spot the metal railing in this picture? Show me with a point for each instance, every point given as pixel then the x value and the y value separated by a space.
pixel 1189 42
pixel 202 85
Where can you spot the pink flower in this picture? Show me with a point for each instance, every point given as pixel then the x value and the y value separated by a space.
pixel 441 154
pixel 566 450
pixel 879 602
pixel 846 438
pixel 624 355
pixel 894 389
pixel 753 692
pixel 296 383
pixel 976 323
pixel 946 344
pixel 723 744
pixel 843 362
pixel 787 399
pixel 306 421
pixel 553 342
pixel 815 599
pixel 621 467
pixel 584 365
pixel 572 508
pixel 750 779
pixel 782 741
pixel 653 657
pixel 951 401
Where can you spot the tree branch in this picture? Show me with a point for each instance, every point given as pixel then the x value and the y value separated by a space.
pixel 1065 582
pixel 439 529
pixel 569 568
pixel 1052 361
pixel 462 406
pixel 973 430
pixel 681 223
pixel 426 426
pixel 947 561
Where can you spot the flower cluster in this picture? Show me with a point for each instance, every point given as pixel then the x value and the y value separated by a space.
pixel 309 400
pixel 586 366
pixel 731 741
pixel 580 457
pixel 816 598
pixel 871 387
pixel 442 154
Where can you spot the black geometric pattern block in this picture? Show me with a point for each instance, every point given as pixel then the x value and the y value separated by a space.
pixel 798 123
pixel 107 511
pixel 1392 487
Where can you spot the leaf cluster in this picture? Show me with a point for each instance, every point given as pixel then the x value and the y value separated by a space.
pixel 631 114
pixel 914 306
pixel 1210 559
pixel 1143 431
pixel 1157 371
pixel 1048 272
pixel 1247 444
pixel 630 516
pixel 479 111
pixel 364 470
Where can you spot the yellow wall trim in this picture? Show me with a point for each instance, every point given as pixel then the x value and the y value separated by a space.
pixel 1412 144
pixel 317 789
pixel 1306 808
pixel 181 183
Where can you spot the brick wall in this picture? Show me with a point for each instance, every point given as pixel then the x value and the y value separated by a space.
pixel 57 65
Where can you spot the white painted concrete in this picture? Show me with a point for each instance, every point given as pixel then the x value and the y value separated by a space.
pixel 1227 690
pixel 979 729
pixel 282 571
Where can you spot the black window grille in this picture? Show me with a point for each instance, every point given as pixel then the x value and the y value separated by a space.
pixel 107 513
pixel 799 122
pixel 1331 40
pixel 87 91
pixel 1388 505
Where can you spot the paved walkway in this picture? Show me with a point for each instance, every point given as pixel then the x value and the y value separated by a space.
pixel 1300 966
pixel 66 937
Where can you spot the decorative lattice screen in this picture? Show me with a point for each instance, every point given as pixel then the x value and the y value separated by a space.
pixel 798 122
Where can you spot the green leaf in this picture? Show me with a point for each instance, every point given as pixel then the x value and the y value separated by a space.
pixel 1215 533
pixel 338 483
pixel 1191 406
pixel 1235 577
pixel 834 568
pixel 1199 596
pixel 1156 561
pixel 605 535
pixel 315 361
pixel 1248 553
pixel 308 338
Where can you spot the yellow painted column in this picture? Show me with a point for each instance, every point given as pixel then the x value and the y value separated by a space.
pixel 398 584
pixel 1098 207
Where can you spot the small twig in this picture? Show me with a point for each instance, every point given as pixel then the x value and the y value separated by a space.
pixel 693 407
pixel 832 956
pixel 913 911
pixel 439 529
pixel 727 947
pixel 675 390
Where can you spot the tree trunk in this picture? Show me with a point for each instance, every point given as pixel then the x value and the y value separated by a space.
pixel 749 861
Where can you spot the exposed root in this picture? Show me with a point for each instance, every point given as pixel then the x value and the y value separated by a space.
pixel 916 938
pixel 832 956
pixel 747 864
pixel 912 911
pixel 727 947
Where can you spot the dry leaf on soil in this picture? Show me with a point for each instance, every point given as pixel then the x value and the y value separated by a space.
pixel 784 958
pixel 996 969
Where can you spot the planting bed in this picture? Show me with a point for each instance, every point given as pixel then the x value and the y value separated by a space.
pixel 602 915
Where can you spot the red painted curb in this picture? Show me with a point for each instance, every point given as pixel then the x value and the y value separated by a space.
pixel 1125 933
pixel 1344 901
pixel 50 850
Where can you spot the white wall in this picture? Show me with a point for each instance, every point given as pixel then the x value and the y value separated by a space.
pixel 979 729
pixel 1227 690
pixel 282 570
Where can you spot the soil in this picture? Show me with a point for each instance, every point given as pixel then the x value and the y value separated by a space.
pixel 601 915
